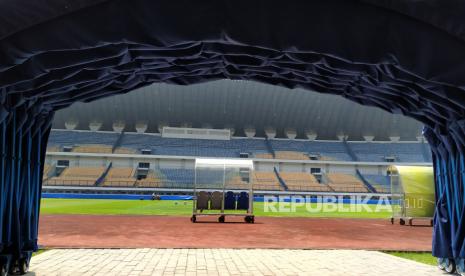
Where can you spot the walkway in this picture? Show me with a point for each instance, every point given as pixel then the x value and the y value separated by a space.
pixel 125 262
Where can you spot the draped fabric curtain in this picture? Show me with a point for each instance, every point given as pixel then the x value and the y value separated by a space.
pixel 23 141
pixel 405 57
pixel 449 169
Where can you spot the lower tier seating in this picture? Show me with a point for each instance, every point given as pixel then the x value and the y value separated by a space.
pixel 77 176
pixel 236 182
pixel 266 181
pixel 340 182
pixel 382 183
pixel 302 181
pixel 152 180
pixel 120 177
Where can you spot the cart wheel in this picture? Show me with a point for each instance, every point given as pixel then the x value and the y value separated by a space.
pixel 402 221
pixel 193 219
pixel 460 266
pixel 410 221
pixel 449 266
pixel 392 220
pixel 23 266
pixel 249 219
pixel 221 219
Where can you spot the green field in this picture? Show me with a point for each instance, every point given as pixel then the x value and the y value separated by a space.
pixel 421 257
pixel 184 208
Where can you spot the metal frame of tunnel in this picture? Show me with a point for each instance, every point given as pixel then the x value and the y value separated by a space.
pixel 405 57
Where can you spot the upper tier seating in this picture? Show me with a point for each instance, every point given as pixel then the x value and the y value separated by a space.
pixel 302 181
pixel 92 149
pixel 291 155
pixel 266 181
pixel 376 152
pixel 125 151
pixel 70 138
pixel 77 176
pixel 51 148
pixel 102 142
pixel 191 147
pixel 120 177
pixel 264 155
pixel 340 182
pixel 328 150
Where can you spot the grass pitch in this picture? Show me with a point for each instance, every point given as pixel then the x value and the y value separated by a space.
pixel 184 208
pixel 421 257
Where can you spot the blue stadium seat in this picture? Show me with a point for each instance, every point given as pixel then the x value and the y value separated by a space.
pixel 192 147
pixel 376 152
pixel 379 181
pixel 243 201
pixel 333 150
pixel 71 138
pixel 230 201
pixel 178 178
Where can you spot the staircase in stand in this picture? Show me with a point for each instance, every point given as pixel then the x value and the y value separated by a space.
pixel 117 142
pixel 349 150
pixel 270 147
pixel 280 179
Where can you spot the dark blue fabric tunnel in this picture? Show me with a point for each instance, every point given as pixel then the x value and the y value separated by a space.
pixel 403 56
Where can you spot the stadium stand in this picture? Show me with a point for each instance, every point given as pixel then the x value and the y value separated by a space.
pixel 134 143
pixel 280 180
pixel 62 138
pixel 51 148
pixel 120 177
pixel 263 155
pixel 328 150
pixel 269 147
pixel 177 178
pixel 152 180
pixel 92 149
pixel 381 183
pixel 125 151
pixel 365 182
pixel 47 169
pixel 301 181
pixel 266 181
pixel 191 147
pixel 77 176
pixel 283 149
pixel 340 182
pixel 236 182
pixel 291 155
pixel 376 152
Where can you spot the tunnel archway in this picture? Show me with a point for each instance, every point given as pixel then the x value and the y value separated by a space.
pixel 402 56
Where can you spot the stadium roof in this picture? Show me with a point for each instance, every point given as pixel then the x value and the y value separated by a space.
pixel 240 104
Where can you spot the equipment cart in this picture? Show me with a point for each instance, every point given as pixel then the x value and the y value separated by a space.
pixel 412 194
pixel 223 187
